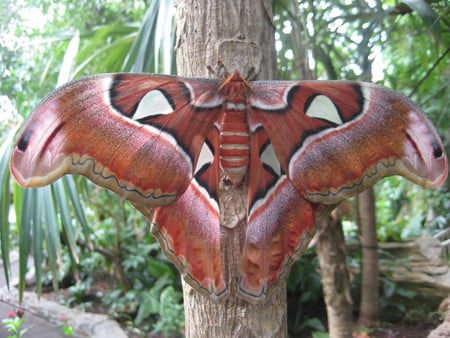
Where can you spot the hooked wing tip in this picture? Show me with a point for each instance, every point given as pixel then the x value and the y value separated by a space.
pixel 16 160
pixel 22 143
pixel 28 175
pixel 425 156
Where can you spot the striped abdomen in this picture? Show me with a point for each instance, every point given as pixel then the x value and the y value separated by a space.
pixel 234 143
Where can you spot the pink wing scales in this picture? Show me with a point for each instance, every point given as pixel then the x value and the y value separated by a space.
pixel 189 228
pixel 280 223
pixel 189 233
pixel 86 128
pixel 345 136
pixel 313 145
pixel 280 219
pixel 141 136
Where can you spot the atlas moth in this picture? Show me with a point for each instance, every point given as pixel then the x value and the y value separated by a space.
pixel 164 142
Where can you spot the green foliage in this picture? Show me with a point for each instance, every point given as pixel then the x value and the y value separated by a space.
pixel 120 245
pixel 76 231
pixel 158 308
pixel 406 211
pixel 397 302
pixel 123 246
pixel 306 310
pixel 35 35
pixel 319 334
pixel 13 325
pixel 64 222
pixel 403 45
pixel 5 199
pixel 165 304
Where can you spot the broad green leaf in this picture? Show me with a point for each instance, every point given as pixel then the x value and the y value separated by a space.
pixel 18 198
pixel 320 335
pixel 112 55
pixel 5 200
pixel 37 240
pixel 314 323
pixel 151 299
pixel 52 239
pixel 74 197
pixel 30 215
pixel 156 31
pixel 65 73
pixel 66 218
pixel 158 269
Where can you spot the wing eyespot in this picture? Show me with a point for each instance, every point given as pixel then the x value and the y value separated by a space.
pixel 270 161
pixel 205 159
pixel 24 140
pixel 154 103
pixel 322 107
pixel 437 150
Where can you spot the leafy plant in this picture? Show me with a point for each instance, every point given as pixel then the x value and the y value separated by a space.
pixel 163 304
pixel 13 323
pixel 66 329
pixel 319 334
pixel 76 231
pixel 306 309
pixel 78 293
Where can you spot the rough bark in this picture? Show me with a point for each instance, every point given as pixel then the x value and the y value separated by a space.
pixel 236 34
pixel 368 310
pixel 331 247
pixel 213 39
pixel 331 250
pixel 443 330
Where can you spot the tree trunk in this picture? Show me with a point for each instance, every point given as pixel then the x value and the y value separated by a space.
pixel 332 253
pixel 368 311
pixel 236 34
pixel 331 247
pixel 215 38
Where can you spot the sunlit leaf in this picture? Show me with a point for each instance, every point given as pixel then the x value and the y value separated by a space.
pixel 66 218
pixel 65 73
pixel 155 33
pixel 112 55
pixel 427 14
pixel 51 229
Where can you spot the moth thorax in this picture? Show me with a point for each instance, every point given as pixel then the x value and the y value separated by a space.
pixel 234 145
pixel 235 88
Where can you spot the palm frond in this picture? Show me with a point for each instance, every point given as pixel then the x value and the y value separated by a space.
pixel 152 50
pixel 5 201
pixel 47 215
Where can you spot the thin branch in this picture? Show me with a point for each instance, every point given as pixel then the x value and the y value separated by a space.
pixel 428 73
